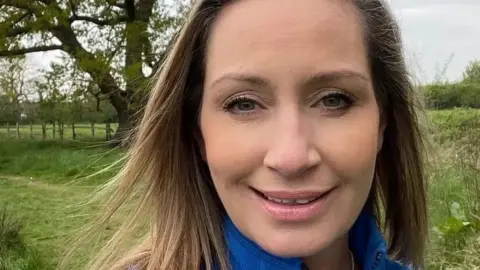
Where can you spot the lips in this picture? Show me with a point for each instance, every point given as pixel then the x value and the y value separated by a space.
pixel 295 206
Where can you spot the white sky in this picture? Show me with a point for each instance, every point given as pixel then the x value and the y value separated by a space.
pixel 433 31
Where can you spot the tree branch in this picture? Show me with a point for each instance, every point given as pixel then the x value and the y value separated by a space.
pixel 47 2
pixel 19 19
pixel 19 31
pixel 116 4
pixel 30 50
pixel 119 5
pixel 144 10
pixel 17 4
pixel 73 7
pixel 130 9
pixel 97 21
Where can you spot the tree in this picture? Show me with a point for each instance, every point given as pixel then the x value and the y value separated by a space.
pixel 13 86
pixel 445 95
pixel 52 94
pixel 118 44
pixel 471 82
pixel 472 72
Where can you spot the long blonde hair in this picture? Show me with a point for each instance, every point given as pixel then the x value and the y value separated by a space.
pixel 169 182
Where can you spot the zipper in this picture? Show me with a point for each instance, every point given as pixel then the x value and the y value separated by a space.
pixel 376 263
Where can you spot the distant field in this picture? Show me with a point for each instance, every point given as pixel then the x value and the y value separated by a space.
pixel 83 131
pixel 43 183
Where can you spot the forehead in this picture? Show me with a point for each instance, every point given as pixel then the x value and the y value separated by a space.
pixel 322 35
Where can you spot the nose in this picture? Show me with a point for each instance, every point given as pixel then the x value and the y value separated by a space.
pixel 292 151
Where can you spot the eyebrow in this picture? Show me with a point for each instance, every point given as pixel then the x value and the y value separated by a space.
pixel 335 76
pixel 317 78
pixel 247 78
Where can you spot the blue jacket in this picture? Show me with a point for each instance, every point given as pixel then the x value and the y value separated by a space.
pixel 366 242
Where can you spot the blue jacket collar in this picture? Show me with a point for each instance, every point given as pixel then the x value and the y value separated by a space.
pixel 366 242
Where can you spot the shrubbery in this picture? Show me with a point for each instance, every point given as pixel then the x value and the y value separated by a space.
pixel 455 95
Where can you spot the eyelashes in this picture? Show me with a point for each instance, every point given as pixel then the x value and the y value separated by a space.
pixel 335 100
pixel 332 101
pixel 241 105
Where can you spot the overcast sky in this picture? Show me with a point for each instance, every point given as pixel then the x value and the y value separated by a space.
pixel 433 31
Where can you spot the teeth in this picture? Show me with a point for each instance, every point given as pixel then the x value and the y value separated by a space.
pixel 290 201
pixel 300 201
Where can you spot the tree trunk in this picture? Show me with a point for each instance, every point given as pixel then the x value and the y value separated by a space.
pixel 125 125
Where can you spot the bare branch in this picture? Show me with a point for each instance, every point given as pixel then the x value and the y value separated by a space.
pixel 97 21
pixel 30 50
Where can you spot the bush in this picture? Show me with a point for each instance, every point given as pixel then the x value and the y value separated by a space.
pixel 448 96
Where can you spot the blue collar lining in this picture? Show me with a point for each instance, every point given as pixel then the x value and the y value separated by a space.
pixel 365 239
pixel 244 248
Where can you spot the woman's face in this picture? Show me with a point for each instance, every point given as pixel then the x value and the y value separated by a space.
pixel 289 121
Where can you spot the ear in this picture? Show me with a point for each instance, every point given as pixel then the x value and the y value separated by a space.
pixel 381 132
pixel 197 135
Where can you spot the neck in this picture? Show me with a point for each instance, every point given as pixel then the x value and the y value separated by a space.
pixel 335 257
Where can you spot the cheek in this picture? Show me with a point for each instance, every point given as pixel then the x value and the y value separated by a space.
pixel 350 148
pixel 231 153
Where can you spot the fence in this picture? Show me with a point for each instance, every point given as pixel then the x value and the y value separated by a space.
pixel 59 131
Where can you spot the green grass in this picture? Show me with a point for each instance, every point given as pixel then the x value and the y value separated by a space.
pixel 43 183
pixel 46 213
pixel 15 254
pixel 57 162
pixel 454 196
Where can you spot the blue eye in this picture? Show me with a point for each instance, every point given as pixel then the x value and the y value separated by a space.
pixel 245 105
pixel 335 101
pixel 241 105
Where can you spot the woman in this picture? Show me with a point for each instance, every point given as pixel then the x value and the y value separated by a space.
pixel 278 135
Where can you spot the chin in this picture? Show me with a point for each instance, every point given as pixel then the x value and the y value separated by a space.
pixel 292 245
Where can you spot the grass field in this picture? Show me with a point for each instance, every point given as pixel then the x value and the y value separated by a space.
pixel 43 183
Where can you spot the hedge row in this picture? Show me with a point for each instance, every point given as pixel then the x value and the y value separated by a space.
pixel 447 96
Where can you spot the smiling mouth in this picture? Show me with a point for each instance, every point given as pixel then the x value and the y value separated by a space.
pixel 292 199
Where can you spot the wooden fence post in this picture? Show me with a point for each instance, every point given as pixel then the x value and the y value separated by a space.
pixel 54 130
pixel 31 131
pixel 18 130
pixel 74 136
pixel 93 129
pixel 60 130
pixel 44 131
